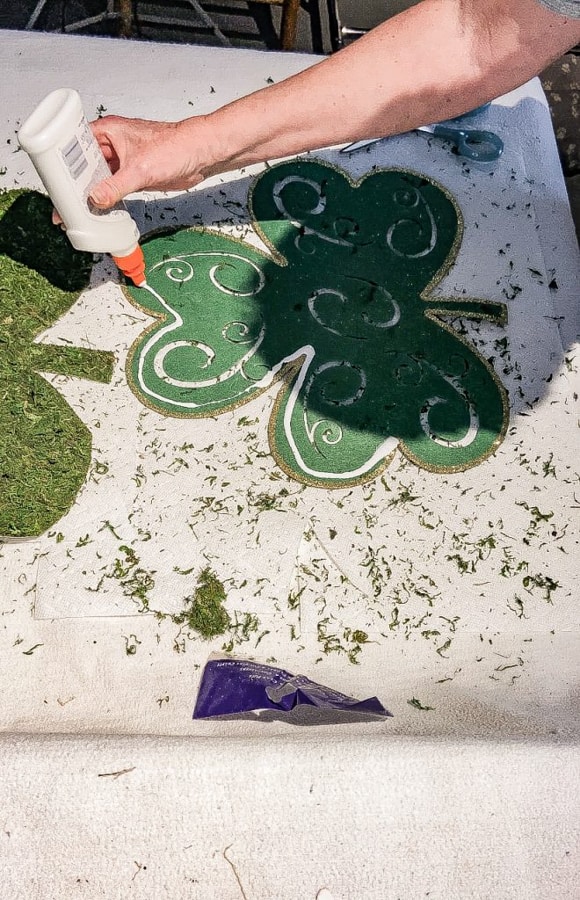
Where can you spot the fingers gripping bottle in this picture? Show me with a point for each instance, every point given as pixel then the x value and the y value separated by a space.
pixel 69 161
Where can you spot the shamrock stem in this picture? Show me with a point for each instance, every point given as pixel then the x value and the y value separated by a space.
pixel 79 362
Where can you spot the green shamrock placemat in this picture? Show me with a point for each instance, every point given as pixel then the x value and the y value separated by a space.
pixel 341 312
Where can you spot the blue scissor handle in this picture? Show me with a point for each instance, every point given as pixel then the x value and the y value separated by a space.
pixel 471 143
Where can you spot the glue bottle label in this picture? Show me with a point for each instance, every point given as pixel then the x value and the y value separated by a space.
pixel 86 165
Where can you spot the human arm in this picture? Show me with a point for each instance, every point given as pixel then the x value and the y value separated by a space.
pixel 436 60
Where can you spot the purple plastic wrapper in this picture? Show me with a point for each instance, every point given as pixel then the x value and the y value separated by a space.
pixel 230 686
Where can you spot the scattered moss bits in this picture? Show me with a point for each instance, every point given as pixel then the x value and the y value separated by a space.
pixel 416 704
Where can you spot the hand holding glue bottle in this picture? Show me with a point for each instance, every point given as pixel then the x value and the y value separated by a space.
pixel 69 161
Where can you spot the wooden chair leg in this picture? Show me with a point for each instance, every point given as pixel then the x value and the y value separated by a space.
pixel 126 18
pixel 289 24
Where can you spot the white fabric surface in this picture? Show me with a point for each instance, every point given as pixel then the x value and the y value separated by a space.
pixel 473 798
pixel 380 818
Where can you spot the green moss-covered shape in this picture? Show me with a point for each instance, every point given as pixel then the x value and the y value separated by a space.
pixel 204 612
pixel 45 449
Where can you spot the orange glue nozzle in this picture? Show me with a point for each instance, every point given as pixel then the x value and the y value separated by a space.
pixel 133 266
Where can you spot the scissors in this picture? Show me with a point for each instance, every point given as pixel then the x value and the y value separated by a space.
pixel 471 143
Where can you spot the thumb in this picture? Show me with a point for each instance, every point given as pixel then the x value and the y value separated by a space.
pixel 110 191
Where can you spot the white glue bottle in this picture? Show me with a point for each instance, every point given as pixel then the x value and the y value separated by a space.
pixel 69 161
